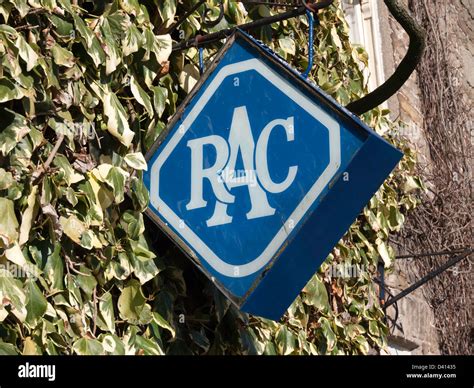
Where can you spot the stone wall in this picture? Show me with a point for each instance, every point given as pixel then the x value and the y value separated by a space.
pixel 461 24
pixel 406 104
pixel 415 318
pixel 418 321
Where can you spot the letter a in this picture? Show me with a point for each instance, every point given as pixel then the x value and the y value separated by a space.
pixel 241 139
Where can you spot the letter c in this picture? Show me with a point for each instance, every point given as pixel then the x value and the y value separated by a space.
pixel 261 160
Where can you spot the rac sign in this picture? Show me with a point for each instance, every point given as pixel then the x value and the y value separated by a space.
pixel 242 177
pixel 223 175
pixel 232 162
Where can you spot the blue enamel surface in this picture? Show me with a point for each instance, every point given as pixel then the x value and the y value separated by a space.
pixel 242 240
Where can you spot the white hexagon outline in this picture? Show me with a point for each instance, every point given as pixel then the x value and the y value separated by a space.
pixel 226 269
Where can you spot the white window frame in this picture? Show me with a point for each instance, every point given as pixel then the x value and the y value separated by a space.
pixel 356 12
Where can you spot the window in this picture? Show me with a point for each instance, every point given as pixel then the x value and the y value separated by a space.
pixel 362 17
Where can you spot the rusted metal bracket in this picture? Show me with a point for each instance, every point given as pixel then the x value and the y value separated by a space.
pixel 457 257
pixel 201 40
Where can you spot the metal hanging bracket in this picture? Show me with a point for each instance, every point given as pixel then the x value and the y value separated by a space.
pixel 404 70
pixel 222 34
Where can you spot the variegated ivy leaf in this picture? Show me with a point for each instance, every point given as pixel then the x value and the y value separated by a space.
pixel 9 91
pixel 141 96
pixel 136 161
pixel 167 11
pixel 12 296
pixel 8 223
pixel 28 55
pixel 78 69
pixel 117 118
pixel 62 56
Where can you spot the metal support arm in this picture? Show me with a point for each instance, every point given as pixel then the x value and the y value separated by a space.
pixel 406 67
pixel 404 70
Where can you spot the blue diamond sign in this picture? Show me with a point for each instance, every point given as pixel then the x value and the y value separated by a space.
pixel 259 175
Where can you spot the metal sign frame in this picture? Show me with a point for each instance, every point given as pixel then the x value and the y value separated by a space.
pixel 300 256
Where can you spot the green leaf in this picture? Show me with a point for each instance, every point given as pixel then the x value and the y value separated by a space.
pixel 73 228
pixel 270 349
pixel 14 132
pixel 143 270
pixel 383 251
pixel 9 91
pixel 136 161
pixel 54 269
pixel 15 255
pixel 363 345
pixel 285 341
pixel 113 55
pixel 189 77
pixel 329 334
pixel 163 48
pixel 92 44
pixel 7 349
pixel 63 27
pixel 374 328
pixel 396 218
pixel 132 223
pixel 106 309
pixel 117 123
pixel 315 294
pixel 6 179
pixel 29 215
pixel 159 99
pixel 116 179
pixel 141 97
pixel 147 347
pixel 11 294
pixel 84 30
pixel 287 45
pixel 86 282
pixel 131 301
pixel 250 343
pixel 36 305
pixel 160 321
pixel 62 57
pixel 31 348
pixel 26 53
pixel 353 330
pixel 139 194
pixel 8 223
pixel 112 344
pixel 411 184
pixel 145 315
pixel 141 251
pixel 70 175
pixel 372 219
pixel 132 42
pixel 167 10
pixel 87 347
pixel 66 4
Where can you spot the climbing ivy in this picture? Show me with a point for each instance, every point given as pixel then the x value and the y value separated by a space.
pixel 85 89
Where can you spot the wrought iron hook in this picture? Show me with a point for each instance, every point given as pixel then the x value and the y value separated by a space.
pixel 213 23
pixel 222 34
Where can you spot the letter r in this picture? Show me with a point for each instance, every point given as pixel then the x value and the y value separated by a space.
pixel 199 173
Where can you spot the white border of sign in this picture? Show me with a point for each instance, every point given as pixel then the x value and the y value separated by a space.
pixel 300 99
